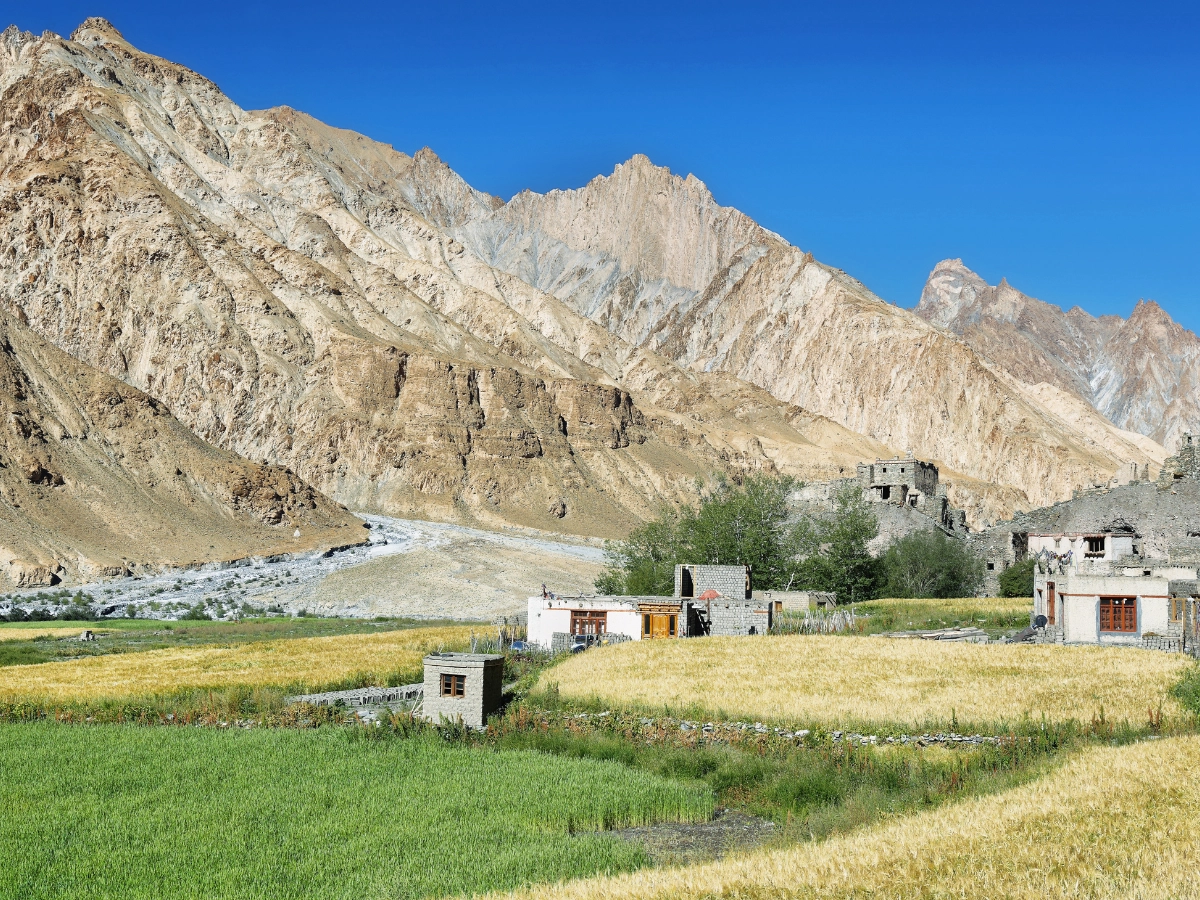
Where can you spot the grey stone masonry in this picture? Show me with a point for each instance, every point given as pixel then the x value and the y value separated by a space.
pixel 1183 465
pixel 738 618
pixel 466 687
pixel 731 582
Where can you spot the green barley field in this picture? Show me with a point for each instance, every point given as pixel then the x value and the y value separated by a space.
pixel 127 812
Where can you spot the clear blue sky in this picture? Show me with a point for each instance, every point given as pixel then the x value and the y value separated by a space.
pixel 1054 144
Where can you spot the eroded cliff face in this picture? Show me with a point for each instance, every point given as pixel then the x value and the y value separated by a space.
pixel 1142 373
pixel 274 283
pixel 654 259
pixel 99 479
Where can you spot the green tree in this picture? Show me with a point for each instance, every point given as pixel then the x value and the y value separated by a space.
pixel 930 564
pixel 1017 579
pixel 836 557
pixel 746 524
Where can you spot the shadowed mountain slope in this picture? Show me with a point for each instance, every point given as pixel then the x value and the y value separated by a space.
pixel 96 479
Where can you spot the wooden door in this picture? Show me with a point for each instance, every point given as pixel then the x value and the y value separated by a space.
pixel 660 625
pixel 1051 602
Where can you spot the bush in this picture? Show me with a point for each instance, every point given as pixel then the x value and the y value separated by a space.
pixel 1017 579
pixel 197 614
pixel 929 564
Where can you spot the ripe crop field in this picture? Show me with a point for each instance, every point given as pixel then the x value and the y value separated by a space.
pixel 1111 823
pixel 304 663
pixel 19 633
pixel 119 811
pixel 845 682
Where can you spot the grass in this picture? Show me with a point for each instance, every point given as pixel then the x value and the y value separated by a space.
pixel 392 657
pixel 1111 823
pixel 995 615
pixel 838 682
pixel 119 811
pixel 811 789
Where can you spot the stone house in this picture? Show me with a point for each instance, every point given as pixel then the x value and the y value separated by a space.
pixel 1096 588
pixel 708 600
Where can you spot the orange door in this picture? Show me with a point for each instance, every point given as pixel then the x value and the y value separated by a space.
pixel 660 625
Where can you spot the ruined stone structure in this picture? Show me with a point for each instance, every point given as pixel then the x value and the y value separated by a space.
pixel 911 482
pixel 1183 465
pixel 900 480
pixel 466 687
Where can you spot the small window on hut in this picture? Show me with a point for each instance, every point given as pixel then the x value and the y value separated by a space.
pixel 454 685
pixel 1118 614
pixel 1095 546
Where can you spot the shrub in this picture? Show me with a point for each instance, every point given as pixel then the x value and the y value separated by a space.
pixel 197 614
pixel 1017 579
pixel 929 564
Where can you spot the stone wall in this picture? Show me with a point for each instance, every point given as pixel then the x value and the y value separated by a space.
pixel 484 688
pixel 738 619
pixel 728 581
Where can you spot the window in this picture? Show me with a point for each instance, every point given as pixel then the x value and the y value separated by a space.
pixel 687 586
pixel 646 625
pixel 991 567
pixel 454 685
pixel 671 625
pixel 1118 614
pixel 1095 547
pixel 588 621
pixel 1177 608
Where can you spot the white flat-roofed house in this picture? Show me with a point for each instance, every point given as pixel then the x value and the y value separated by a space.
pixel 557 622
pixel 1095 589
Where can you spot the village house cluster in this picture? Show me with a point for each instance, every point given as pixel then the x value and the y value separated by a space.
pixel 707 600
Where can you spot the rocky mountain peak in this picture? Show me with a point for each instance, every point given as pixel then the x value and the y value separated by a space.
pixel 96 28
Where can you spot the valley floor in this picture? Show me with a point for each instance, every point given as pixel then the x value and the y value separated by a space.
pixel 409 568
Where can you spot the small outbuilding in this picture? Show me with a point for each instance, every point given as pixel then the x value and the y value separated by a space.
pixel 466 687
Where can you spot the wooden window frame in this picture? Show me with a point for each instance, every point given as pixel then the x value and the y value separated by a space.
pixel 1118 615
pixel 586 622
pixel 454 685
pixel 1093 547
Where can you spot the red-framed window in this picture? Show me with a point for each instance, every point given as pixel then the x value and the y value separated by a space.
pixel 1118 614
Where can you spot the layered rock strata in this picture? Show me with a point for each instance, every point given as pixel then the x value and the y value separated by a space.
pixel 98 479
pixel 270 280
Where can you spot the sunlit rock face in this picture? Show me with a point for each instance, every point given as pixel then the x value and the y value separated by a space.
pixel 1142 373
pixel 654 259
pixel 303 296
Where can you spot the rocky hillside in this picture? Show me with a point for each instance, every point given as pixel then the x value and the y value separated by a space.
pixel 296 294
pixel 654 259
pixel 98 479
pixel 1142 373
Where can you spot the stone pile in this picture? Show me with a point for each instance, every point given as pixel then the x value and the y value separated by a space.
pixel 971 635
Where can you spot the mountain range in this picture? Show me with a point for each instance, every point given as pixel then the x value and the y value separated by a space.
pixel 319 303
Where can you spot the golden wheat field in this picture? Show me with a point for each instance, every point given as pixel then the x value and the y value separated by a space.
pixel 846 681
pixel 54 631
pixel 1111 823
pixel 310 661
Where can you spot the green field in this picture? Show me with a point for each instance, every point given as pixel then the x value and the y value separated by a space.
pixel 112 811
